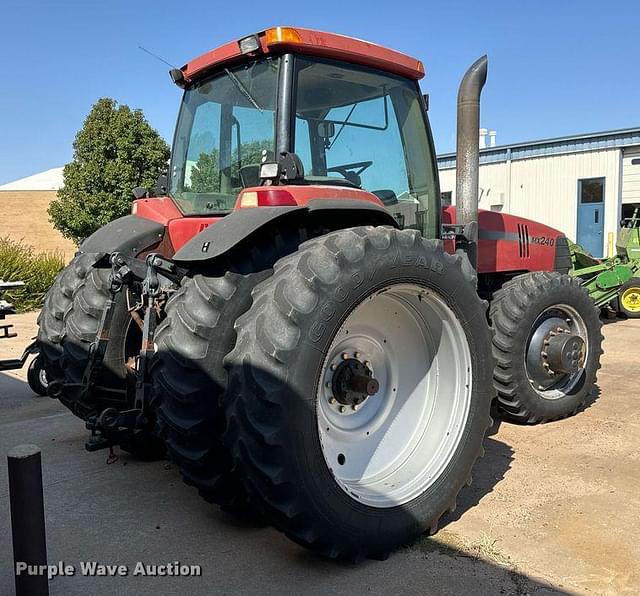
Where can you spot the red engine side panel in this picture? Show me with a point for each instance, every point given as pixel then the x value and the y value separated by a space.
pixel 158 209
pixel 182 230
pixel 164 211
pixel 510 243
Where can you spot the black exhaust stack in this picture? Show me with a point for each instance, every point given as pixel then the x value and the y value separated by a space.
pixel 468 156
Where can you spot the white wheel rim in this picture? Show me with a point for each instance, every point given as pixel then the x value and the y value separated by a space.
pixel 396 444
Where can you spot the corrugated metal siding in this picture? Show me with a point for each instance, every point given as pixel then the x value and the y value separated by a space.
pixel 631 176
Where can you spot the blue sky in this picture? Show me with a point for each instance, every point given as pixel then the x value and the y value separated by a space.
pixel 556 68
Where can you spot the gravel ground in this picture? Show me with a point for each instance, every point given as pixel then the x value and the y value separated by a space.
pixel 553 508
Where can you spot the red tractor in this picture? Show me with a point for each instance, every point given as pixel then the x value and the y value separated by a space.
pixel 297 318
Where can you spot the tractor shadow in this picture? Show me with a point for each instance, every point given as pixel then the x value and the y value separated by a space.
pixel 488 471
pixel 590 401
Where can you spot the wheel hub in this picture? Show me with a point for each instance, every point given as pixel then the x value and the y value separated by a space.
pixel 556 352
pixel 565 353
pixel 353 382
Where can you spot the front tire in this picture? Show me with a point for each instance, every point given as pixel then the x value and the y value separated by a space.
pixel 400 456
pixel 530 314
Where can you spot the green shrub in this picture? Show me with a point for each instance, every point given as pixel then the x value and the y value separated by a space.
pixel 19 262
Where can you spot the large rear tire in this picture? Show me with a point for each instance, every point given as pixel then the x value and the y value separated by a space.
pixel 340 471
pixel 57 304
pixel 188 374
pixel 530 314
pixel 69 322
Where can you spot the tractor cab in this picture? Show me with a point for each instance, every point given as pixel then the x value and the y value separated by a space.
pixel 295 108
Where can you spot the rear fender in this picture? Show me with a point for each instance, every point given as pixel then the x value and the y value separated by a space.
pixel 239 226
pixel 129 235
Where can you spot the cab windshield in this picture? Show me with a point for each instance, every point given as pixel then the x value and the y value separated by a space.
pixel 225 126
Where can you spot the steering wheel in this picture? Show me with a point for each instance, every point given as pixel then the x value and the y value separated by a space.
pixel 360 166
pixel 346 171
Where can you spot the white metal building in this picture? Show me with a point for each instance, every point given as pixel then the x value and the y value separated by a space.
pixel 47 180
pixel 582 185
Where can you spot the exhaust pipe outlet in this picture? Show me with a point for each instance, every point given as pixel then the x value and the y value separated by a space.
pixel 468 156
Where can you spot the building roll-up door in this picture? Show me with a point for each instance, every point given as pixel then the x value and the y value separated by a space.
pixel 631 175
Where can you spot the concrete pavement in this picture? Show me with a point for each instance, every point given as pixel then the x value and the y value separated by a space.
pixel 553 509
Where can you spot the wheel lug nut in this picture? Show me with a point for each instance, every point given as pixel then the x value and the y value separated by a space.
pixel 328 384
pixel 356 355
pixel 332 400
pixel 355 407
pixel 342 409
pixel 345 356
pixel 334 366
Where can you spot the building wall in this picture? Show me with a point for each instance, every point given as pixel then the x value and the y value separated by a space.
pixel 24 217
pixel 545 188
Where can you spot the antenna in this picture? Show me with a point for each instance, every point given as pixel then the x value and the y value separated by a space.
pixel 157 57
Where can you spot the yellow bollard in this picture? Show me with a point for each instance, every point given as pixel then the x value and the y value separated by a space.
pixel 610 245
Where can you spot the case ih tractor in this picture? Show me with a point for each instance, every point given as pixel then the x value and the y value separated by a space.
pixel 296 317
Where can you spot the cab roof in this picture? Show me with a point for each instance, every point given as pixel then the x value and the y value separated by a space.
pixel 277 40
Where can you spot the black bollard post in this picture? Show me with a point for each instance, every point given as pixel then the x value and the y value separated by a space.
pixel 27 520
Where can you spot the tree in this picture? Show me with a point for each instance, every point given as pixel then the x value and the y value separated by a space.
pixel 115 151
pixel 205 175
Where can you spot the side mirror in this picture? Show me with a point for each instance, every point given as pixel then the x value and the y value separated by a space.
pixel 140 193
pixel 162 185
pixel 326 130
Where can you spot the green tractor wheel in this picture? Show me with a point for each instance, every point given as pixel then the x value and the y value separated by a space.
pixel 629 298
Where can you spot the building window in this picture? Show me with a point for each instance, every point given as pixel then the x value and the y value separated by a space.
pixel 445 198
pixel 591 190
